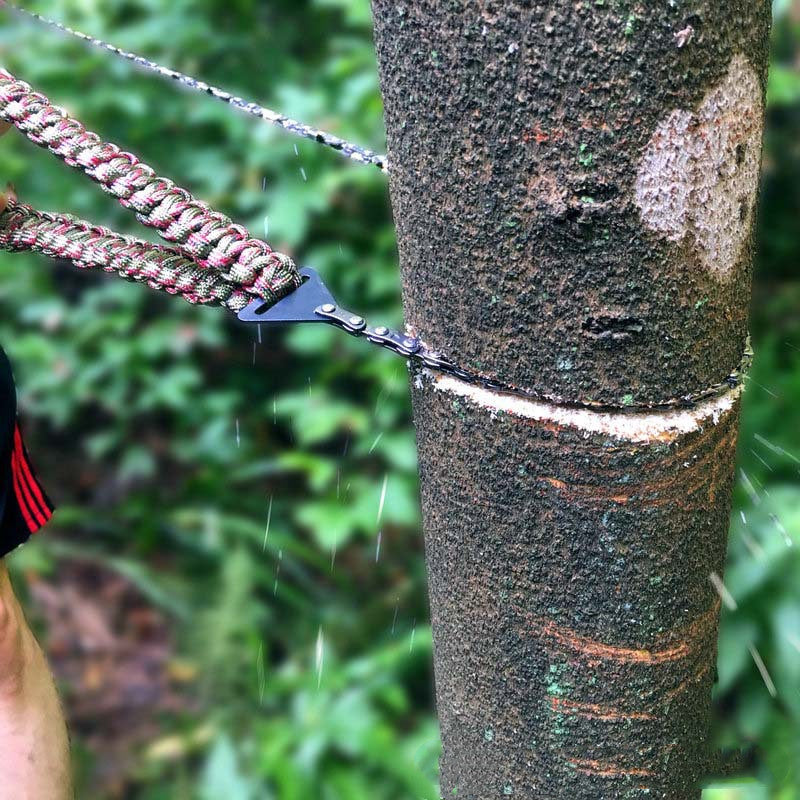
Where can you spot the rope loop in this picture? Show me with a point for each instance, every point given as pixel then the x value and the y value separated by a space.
pixel 91 246
pixel 205 238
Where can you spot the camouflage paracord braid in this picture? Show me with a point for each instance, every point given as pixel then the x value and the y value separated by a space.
pixel 204 236
pixel 92 246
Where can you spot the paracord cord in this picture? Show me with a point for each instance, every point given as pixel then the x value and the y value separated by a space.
pixel 203 235
pixel 92 246
pixel 352 151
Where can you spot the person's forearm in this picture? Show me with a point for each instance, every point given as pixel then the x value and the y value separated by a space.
pixel 33 734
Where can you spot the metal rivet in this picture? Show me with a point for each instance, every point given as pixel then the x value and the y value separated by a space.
pixel 381 330
pixel 409 342
pixel 356 320
pixel 328 308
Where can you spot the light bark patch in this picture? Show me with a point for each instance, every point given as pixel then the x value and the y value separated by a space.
pixel 699 172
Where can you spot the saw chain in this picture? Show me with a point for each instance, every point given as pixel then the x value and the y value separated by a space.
pixel 312 302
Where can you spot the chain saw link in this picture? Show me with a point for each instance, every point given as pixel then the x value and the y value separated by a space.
pixel 312 302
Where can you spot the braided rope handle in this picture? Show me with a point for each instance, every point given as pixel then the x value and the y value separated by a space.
pixel 202 235
pixel 92 246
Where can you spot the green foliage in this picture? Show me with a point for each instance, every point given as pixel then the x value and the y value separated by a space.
pixel 169 450
pixel 242 499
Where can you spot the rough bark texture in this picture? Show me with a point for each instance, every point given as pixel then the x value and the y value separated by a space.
pixel 524 140
pixel 574 621
pixel 574 186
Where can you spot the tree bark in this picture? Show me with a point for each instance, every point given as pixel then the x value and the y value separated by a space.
pixel 574 186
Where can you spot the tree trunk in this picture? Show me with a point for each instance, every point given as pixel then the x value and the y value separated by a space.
pixel 574 186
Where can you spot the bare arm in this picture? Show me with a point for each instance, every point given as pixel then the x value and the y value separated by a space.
pixel 33 734
pixel 34 748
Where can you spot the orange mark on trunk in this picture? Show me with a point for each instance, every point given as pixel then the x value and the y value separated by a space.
pixel 688 477
pixel 590 647
pixel 607 769
pixel 688 638
pixel 585 491
pixel 595 711
pixel 537 134
pixel 684 685
pixel 691 482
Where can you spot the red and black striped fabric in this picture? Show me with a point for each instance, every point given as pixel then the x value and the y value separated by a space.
pixel 24 505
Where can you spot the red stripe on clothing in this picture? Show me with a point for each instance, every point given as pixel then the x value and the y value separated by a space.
pixel 21 502
pixel 27 475
pixel 33 508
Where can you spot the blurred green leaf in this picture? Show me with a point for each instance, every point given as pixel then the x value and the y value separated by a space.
pixel 222 777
